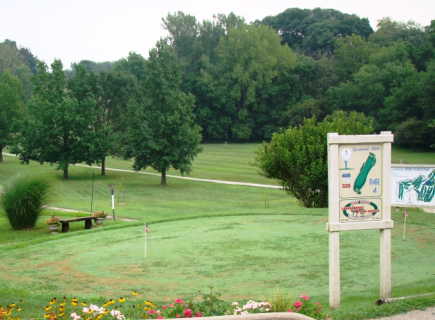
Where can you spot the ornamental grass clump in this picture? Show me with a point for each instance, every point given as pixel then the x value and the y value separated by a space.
pixel 280 301
pixel 23 198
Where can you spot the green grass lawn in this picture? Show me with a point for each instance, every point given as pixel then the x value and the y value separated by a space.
pixel 204 234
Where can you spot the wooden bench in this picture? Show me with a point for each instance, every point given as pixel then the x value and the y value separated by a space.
pixel 66 222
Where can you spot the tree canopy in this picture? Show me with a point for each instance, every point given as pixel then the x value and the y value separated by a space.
pixel 160 131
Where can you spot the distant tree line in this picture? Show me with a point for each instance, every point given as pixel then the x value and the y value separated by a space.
pixel 218 80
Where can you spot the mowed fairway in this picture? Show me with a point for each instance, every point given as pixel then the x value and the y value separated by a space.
pixel 202 234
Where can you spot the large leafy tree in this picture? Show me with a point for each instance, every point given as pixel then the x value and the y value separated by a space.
pixel 313 32
pixel 58 127
pixel 11 107
pixel 161 131
pixel 106 94
pixel 20 62
pixel 297 156
pixel 251 63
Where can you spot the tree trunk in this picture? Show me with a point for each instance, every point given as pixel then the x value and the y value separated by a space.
pixel 103 166
pixel 163 182
pixel 65 173
pixel 1 154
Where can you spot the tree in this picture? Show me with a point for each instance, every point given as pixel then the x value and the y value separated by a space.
pixel 242 80
pixel 106 94
pixel 11 107
pixel 58 128
pixel 161 132
pixel 313 32
pixel 297 156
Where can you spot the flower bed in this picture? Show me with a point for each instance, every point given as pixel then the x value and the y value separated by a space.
pixel 209 305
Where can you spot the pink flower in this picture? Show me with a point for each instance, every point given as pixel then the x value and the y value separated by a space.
pixel 171 305
pixel 187 313
pixel 298 304
pixel 164 307
pixel 305 297
pixel 178 316
pixel 298 309
pixel 179 301
pixel 198 314
pixel 151 311
pixel 160 317
pixel 290 310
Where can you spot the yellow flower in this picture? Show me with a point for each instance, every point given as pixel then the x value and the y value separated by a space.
pixel 106 311
pixel 16 318
pixel 74 300
pixel 47 308
pixel 99 317
pixel 104 305
pixel 12 305
pixel 21 301
pixel 147 308
pixel 134 293
pixel 74 303
pixel 84 304
pixel 63 304
pixel 139 305
pixel 88 318
pixel 61 314
pixel 121 300
pixel 61 309
pixel 47 315
pixel 18 309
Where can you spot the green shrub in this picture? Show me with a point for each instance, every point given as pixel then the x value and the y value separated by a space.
pixel 22 199
pixel 297 157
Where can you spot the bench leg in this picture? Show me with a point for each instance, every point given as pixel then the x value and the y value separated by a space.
pixel 88 224
pixel 65 227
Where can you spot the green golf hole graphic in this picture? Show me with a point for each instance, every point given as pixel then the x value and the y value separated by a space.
pixel 364 172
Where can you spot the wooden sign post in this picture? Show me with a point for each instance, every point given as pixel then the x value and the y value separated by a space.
pixel 359 199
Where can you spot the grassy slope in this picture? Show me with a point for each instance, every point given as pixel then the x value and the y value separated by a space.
pixel 146 200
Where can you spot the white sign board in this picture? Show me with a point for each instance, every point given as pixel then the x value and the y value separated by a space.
pixel 412 185
pixel 358 186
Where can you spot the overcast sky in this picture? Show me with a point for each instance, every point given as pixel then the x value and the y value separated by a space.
pixel 106 30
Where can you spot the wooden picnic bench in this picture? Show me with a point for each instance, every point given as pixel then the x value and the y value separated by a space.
pixel 66 222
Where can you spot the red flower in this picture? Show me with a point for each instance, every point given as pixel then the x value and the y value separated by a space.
pixel 179 301
pixel 298 304
pixel 198 314
pixel 187 313
pixel 305 297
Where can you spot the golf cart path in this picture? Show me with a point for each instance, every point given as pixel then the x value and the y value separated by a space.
pixel 428 314
pixel 176 177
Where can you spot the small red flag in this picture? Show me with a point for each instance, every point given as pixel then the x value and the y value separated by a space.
pixel 146 228
pixel 405 213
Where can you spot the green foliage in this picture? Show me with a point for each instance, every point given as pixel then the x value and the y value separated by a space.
pixel 58 128
pixel 297 157
pixel 250 69
pixel 313 32
pixel 411 132
pixel 280 300
pixel 11 107
pixel 22 199
pixel 161 131
pixel 211 304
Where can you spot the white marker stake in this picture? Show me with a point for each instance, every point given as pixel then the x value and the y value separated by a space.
pixel 145 243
